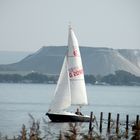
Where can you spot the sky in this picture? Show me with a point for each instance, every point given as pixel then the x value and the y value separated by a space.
pixel 27 25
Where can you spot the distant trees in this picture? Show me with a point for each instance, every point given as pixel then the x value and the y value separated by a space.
pixel 15 78
pixel 119 78
pixel 29 78
pixel 90 79
pixel 36 78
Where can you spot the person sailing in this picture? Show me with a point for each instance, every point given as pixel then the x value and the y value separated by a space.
pixel 78 112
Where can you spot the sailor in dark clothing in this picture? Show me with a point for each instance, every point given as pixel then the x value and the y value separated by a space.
pixel 78 112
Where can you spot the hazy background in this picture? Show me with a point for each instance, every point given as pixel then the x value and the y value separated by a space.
pixel 27 25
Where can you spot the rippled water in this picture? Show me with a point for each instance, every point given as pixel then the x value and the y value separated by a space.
pixel 19 100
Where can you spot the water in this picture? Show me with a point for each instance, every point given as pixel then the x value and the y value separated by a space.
pixel 19 100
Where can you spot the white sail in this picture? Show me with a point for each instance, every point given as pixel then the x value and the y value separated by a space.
pixel 62 98
pixel 76 73
pixel 71 84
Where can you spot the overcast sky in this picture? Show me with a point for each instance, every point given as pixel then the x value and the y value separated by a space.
pixel 27 25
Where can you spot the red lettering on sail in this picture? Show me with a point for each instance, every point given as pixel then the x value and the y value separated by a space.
pixel 75 72
pixel 75 52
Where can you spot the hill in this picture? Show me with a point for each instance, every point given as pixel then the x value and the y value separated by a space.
pixel 96 61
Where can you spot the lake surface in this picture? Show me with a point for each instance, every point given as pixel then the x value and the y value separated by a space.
pixel 17 101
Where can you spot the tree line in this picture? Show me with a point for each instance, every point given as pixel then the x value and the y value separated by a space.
pixel 120 77
pixel 29 78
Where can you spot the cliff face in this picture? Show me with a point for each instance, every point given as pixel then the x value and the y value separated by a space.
pixel 96 61
pixel 132 55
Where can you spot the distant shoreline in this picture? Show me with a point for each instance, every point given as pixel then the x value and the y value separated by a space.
pixel 119 78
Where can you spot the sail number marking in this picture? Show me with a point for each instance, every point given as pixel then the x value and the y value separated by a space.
pixel 75 72
pixel 75 53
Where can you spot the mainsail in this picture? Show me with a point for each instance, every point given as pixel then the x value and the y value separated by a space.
pixel 71 84
pixel 76 73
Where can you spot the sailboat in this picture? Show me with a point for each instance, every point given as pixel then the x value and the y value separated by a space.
pixel 70 89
